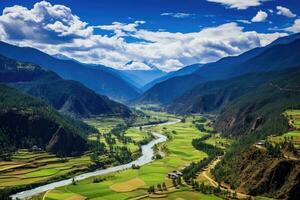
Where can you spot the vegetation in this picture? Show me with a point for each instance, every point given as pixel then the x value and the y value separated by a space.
pixel 69 97
pixel 34 117
pixel 151 174
pixel 189 173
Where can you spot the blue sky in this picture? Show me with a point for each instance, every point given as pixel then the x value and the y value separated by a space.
pixel 167 34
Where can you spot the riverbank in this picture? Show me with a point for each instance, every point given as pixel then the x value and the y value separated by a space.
pixel 179 152
pixel 147 154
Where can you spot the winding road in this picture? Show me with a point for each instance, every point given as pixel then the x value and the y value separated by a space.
pixel 147 154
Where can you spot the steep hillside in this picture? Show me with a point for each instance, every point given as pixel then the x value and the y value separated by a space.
pixel 26 121
pixel 100 79
pixel 214 95
pixel 278 55
pixel 181 72
pixel 260 111
pixel 68 97
pixel 254 171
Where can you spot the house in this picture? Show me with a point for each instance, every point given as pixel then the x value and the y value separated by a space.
pixel 179 174
pixel 35 148
pixel 261 143
pixel 172 176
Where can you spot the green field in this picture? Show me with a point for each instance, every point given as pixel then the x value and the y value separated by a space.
pixel 294 135
pixel 29 167
pixel 218 141
pixel 294 116
pixel 150 117
pixel 180 152
pixel 104 124
pixel 36 167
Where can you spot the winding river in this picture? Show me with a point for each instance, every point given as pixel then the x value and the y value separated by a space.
pixel 147 154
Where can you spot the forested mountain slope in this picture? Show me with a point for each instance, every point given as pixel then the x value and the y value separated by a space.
pixel 68 97
pixel 26 121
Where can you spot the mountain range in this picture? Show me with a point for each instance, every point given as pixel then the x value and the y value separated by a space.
pixel 67 96
pixel 275 56
pixel 101 79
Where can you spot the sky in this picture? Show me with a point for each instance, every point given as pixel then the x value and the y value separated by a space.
pixel 147 34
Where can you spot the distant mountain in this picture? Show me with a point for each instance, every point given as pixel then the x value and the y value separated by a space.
pixel 68 97
pixel 277 55
pixel 142 77
pixel 26 121
pixel 100 79
pixel 61 57
pixel 181 72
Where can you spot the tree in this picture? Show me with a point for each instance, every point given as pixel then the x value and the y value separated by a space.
pixel 179 181
pixel 151 189
pixel 74 181
pixel 159 187
pixel 164 186
pixel 174 182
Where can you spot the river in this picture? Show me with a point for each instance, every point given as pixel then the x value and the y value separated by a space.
pixel 146 157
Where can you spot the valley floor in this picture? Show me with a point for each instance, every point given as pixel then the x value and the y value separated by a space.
pixel 134 183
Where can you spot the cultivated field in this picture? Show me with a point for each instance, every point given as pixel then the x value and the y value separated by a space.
pixel 135 182
pixel 33 167
pixel 293 135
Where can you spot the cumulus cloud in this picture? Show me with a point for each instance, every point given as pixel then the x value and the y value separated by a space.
pixel 285 12
pixel 261 16
pixel 238 4
pixel 177 15
pixel 54 29
pixel 295 28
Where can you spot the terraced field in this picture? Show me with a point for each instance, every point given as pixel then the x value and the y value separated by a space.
pixel 34 167
pixel 293 135
pixel 179 152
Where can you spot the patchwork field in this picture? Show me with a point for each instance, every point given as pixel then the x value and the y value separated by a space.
pixel 35 167
pixel 135 182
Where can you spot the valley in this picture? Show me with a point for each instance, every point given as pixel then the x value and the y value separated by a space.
pixel 139 180
pixel 145 100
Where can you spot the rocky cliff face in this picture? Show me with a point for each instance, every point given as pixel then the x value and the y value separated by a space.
pixel 262 174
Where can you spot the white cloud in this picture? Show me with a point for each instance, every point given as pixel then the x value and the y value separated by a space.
pixel 137 65
pixel 177 15
pixel 261 16
pixel 120 29
pixel 285 12
pixel 243 21
pixel 239 4
pixel 54 29
pixel 295 28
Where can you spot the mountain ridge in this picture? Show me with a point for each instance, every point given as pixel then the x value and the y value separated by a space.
pixel 99 79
